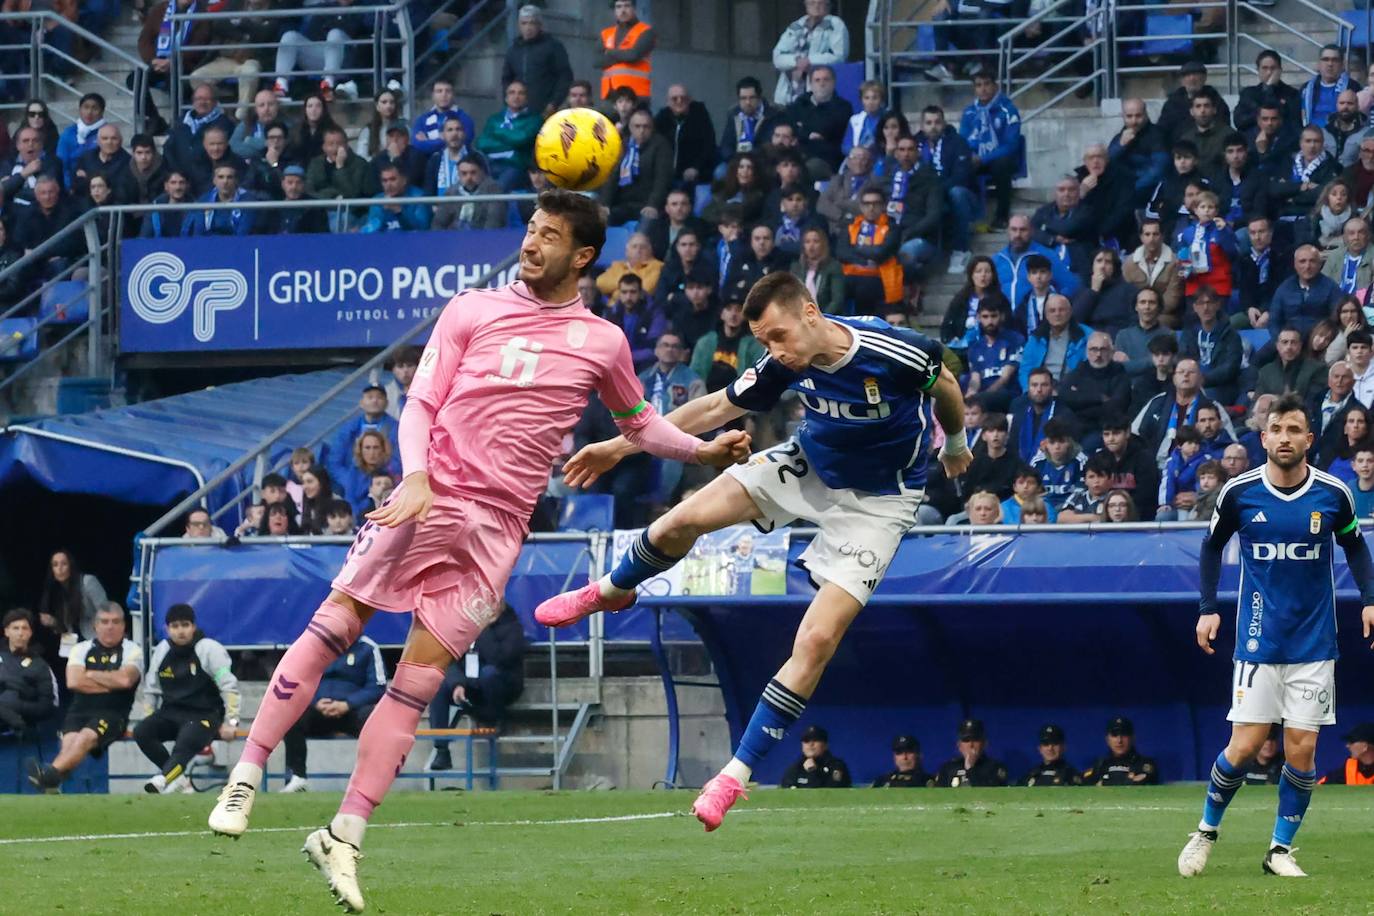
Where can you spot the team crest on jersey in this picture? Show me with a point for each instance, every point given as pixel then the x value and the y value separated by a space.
pixel 1315 525
pixel 871 392
pixel 1251 645
pixel 577 334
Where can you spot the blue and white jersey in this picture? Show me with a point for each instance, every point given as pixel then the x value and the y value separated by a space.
pixel 1059 480
pixel 1286 609
pixel 868 419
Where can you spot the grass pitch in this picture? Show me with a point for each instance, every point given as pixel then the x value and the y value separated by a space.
pixel 860 851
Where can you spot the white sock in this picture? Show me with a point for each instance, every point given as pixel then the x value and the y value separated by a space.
pixel 738 769
pixel 159 781
pixel 246 772
pixel 349 828
pixel 1206 827
pixel 609 590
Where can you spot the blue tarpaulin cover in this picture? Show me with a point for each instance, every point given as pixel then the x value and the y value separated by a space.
pixel 157 452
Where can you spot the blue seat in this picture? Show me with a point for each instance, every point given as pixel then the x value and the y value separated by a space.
pixel 1255 338
pixel 614 249
pixel 848 76
pixel 587 512
pixel 65 302
pixel 18 340
pixel 1159 25
pixel 1359 20
pixel 702 198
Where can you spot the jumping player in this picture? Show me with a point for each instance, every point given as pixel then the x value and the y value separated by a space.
pixel 505 376
pixel 1288 515
pixel 857 468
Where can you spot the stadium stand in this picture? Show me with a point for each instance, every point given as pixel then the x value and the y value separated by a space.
pixel 286 132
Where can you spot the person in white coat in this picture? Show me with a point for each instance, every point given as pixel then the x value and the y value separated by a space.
pixel 814 39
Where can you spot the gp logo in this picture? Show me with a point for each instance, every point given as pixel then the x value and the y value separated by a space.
pixel 160 290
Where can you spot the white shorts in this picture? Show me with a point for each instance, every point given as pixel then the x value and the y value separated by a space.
pixel 860 532
pixel 1300 696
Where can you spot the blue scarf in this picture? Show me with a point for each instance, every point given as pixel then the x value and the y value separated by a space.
pixel 745 126
pixel 867 231
pixel 629 165
pixel 789 230
pixel 1233 212
pixel 933 154
pixel 508 118
pixel 1302 171
pixel 1206 346
pixel 235 216
pixel 1198 249
pixel 723 259
pixel 1028 431
pixel 1309 94
pixel 197 124
pixel 1261 264
pixel 164 31
pixel 1349 272
pixel 1189 419
pixel 867 131
pixel 896 200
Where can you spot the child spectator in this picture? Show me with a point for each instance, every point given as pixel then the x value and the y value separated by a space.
pixel 1363 487
pixel 1132 466
pixel 1059 465
pixel 994 357
pixel 378 490
pixel 1178 485
pixel 1035 512
pixel 1210 476
pixel 1029 311
pixel 301 460
pixel 1169 201
pixel 1086 503
pixel 281 521
pixel 1025 487
pixel 1206 247
pixel 1118 507
pixel 338 516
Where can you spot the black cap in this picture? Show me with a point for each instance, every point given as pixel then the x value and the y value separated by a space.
pixel 1051 734
pixel 815 733
pixel 972 730
pixel 1120 725
pixel 1192 66
pixel 1362 732
pixel 367 388
pixel 905 743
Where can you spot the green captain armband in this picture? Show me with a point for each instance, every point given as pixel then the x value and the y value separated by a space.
pixel 632 412
pixel 1353 526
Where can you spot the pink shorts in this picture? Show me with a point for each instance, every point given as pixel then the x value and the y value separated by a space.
pixel 451 570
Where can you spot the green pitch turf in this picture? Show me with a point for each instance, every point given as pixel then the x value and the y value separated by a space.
pixel 860 851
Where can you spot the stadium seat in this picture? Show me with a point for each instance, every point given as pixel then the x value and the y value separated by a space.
pixel 65 303
pixel 703 197
pixel 1165 29
pixel 614 249
pixel 587 512
pixel 1254 339
pixel 18 340
pixel 1359 21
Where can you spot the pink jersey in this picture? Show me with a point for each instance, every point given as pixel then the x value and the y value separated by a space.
pixel 508 376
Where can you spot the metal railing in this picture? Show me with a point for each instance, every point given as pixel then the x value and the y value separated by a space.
pixel 50 67
pixel 381 41
pixel 1241 59
pixel 1021 64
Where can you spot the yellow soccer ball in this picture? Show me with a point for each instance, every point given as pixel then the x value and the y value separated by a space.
pixel 578 149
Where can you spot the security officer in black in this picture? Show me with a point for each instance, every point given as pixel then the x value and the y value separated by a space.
pixel 191 695
pixel 817 768
pixel 1267 766
pixel 908 773
pixel 1053 769
pixel 28 690
pixel 971 767
pixel 1124 766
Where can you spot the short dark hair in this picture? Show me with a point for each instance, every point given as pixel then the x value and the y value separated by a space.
pixel 580 84
pixel 1102 464
pixel 932 109
pixel 1268 53
pixel 1112 420
pixel 1206 291
pixel 382 472
pixel 338 507
pixel 1360 336
pixel 631 278
pixel 408 355
pixel 14 614
pixel 996 422
pixel 181 613
pixel 1184 148
pixel 780 287
pixel 1187 433
pixel 1040 370
pixel 142 141
pixel 748 82
pixel 474 159
pixel 1026 470
pixel 273 480
pixel 388 167
pixel 582 213
pixel 1289 403
pixel 1164 343
pixel 1209 405
pixel 1057 428
pixel 92 97
pixel 1152 220
pixel 1257 217
pixel 1271 105
pixel 1037 262
pixel 1212 467
pixel 1236 138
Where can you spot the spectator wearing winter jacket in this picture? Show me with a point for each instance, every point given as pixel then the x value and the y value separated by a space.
pixel 428 131
pixel 642 320
pixel 1270 90
pixel 1319 94
pixel 507 139
pixel 1096 387
pixel 1106 190
pixel 686 124
pixel 500 654
pixel 1057 344
pixel 1170 201
pixel 941 147
pixel 538 60
pixel 1242 189
pixel 1154 265
pixel 1206 246
pixel 1011 262
pixel 1215 345
pixel 1141 149
pixel 391 213
pixel 1296 188
pixel 1178 105
pixel 1133 467
pixel 747 123
pixel 1351 265
pixel 1033 413
pixel 991 125
pixel 821 118
pixel 839 202
pixel 1256 275
pixel 1177 405
pixel 863 124
pixel 815 40
pixel 1067 225
pixel 1304 298
pixel 28 690
pixel 1106 302
pixel 351 687
pixel 1133 343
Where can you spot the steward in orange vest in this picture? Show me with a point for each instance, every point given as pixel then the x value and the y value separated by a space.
pixel 1359 769
pixel 868 253
pixel 625 51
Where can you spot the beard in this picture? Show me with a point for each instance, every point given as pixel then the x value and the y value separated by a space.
pixel 1288 462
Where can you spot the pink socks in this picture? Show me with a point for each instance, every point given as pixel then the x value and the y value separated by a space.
pixel 389 735
pixel 327 636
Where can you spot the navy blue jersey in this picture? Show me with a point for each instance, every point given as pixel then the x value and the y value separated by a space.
pixel 867 424
pixel 1286 609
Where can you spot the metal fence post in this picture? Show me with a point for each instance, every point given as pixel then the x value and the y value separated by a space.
pixel 95 283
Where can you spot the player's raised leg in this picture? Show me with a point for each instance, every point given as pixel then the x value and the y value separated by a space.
pixel 721 503
pixel 334 627
pixel 383 746
pixel 1228 775
pixel 783 701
